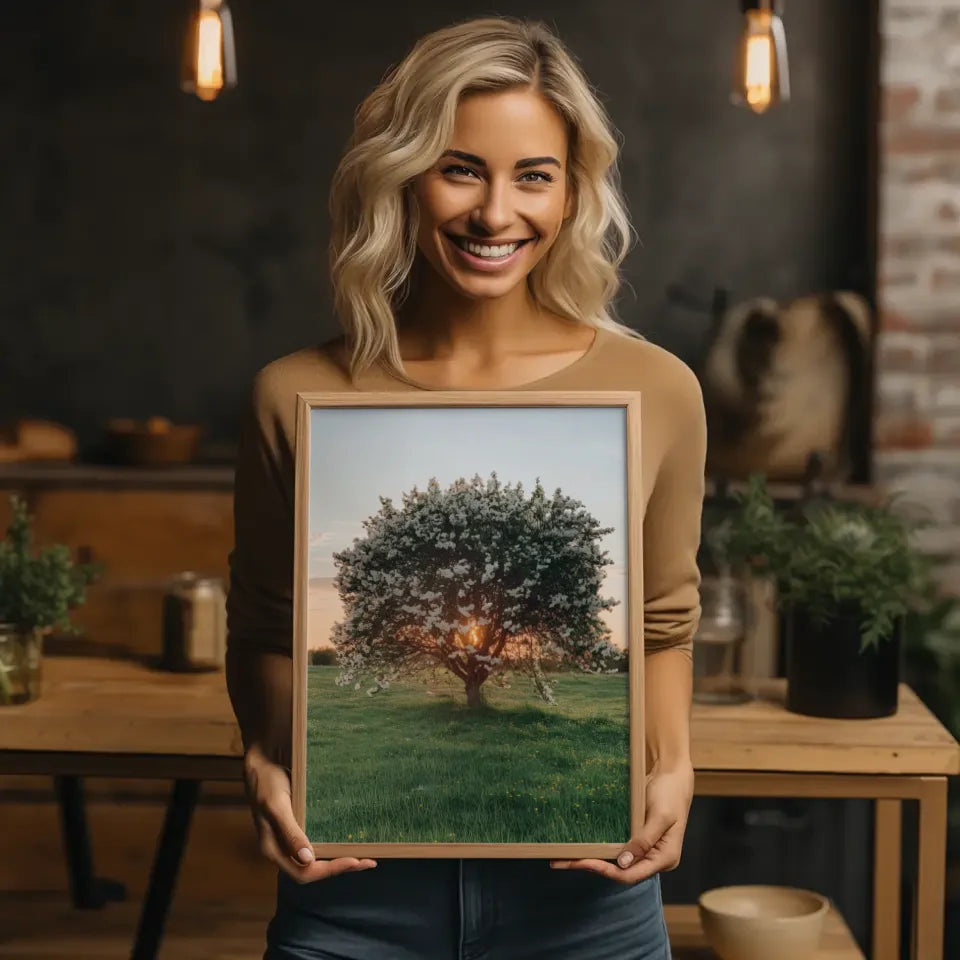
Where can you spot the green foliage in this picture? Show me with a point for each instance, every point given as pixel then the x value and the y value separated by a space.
pixel 326 657
pixel 932 641
pixel 476 579
pixel 828 556
pixel 38 591
pixel 933 655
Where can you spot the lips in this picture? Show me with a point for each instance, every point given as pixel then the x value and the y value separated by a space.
pixel 478 263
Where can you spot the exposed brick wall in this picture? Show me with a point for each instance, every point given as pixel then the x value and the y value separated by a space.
pixel 917 427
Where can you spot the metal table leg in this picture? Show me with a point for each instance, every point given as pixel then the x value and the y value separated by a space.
pixel 166 864
pixel 87 891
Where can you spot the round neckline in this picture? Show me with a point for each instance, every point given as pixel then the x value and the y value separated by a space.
pixel 584 357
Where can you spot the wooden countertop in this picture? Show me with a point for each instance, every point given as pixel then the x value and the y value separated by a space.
pixel 117 717
pixel 688 942
pixel 220 476
pixel 763 735
pixel 129 713
pixel 91 475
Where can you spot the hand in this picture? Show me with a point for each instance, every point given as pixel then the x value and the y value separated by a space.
pixel 281 839
pixel 658 845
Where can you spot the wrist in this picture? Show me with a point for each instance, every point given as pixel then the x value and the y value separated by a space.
pixel 670 762
pixel 259 752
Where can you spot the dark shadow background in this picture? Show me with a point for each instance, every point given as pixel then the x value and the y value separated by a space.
pixel 157 250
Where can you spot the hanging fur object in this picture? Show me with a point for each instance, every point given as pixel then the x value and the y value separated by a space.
pixel 787 383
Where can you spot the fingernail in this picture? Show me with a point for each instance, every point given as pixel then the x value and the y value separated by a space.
pixel 305 855
pixel 625 858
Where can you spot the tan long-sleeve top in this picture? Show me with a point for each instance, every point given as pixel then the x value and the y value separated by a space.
pixel 673 451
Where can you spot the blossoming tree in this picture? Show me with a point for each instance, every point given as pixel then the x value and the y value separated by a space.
pixel 476 579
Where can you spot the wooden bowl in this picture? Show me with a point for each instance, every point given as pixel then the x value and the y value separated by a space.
pixel 757 922
pixel 155 442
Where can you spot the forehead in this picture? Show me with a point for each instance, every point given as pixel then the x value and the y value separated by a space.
pixel 507 125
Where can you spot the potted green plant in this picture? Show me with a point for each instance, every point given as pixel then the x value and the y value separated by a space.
pixel 37 592
pixel 847 574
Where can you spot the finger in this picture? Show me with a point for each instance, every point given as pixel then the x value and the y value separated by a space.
pixel 654 829
pixel 302 873
pixel 268 786
pixel 291 839
pixel 656 825
pixel 310 872
pixel 603 867
pixel 611 871
pixel 333 868
pixel 664 855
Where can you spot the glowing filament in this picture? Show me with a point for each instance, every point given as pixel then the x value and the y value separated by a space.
pixel 209 55
pixel 761 76
pixel 759 70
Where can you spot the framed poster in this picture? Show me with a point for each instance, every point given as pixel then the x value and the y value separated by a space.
pixel 468 624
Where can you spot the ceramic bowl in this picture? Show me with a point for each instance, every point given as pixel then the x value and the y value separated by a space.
pixel 759 922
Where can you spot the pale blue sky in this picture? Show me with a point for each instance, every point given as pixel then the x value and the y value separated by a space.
pixel 360 454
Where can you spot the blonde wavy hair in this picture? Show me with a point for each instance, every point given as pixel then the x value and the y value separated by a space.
pixel 401 129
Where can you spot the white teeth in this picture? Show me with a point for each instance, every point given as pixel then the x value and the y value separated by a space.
pixel 483 250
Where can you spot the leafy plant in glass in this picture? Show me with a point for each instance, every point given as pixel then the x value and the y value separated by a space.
pixel 38 589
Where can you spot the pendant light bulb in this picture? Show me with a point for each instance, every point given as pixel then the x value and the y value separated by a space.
pixel 761 76
pixel 210 61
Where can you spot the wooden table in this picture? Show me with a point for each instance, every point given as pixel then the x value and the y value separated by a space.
pixel 759 749
pixel 99 717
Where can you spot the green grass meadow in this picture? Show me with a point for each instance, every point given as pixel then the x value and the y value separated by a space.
pixel 412 766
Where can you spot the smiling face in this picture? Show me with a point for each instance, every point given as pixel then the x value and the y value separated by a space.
pixel 493 204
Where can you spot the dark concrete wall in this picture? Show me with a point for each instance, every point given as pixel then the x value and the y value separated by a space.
pixel 156 250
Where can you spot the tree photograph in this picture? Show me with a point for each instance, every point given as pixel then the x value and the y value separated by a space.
pixel 476 579
pixel 467 626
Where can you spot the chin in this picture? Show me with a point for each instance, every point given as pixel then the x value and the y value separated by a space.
pixel 492 289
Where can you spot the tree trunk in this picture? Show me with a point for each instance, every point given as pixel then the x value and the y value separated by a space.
pixel 474 697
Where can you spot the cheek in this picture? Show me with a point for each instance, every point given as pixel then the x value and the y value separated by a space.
pixel 425 201
pixel 546 215
pixel 438 203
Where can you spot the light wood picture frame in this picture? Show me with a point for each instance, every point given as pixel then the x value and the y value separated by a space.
pixel 462 559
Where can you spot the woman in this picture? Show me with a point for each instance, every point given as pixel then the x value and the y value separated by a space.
pixel 477 232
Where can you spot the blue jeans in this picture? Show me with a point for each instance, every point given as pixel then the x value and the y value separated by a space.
pixel 467 910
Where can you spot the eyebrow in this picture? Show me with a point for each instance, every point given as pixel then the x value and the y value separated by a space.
pixel 519 165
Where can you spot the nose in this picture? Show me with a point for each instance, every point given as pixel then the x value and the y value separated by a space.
pixel 494 214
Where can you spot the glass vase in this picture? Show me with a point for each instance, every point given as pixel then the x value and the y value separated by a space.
pixel 720 673
pixel 20 664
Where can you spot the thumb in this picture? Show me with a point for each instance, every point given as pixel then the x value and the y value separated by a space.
pixel 303 851
pixel 654 827
pixel 290 837
pixel 294 840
